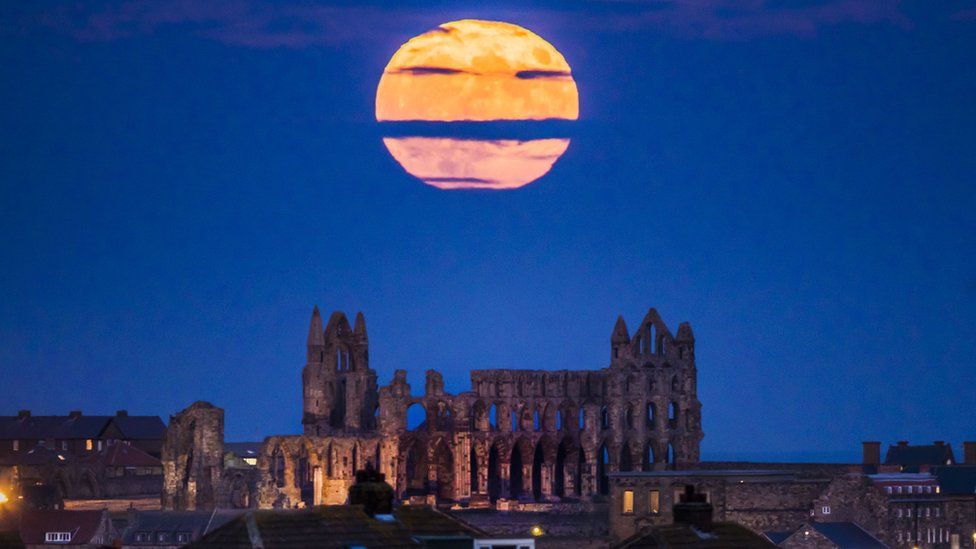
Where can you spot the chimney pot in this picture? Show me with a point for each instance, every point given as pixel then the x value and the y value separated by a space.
pixel 693 510
pixel 939 443
pixel 969 452
pixel 872 455
pixel 23 413
pixel 902 443
pixel 122 413
pixel 74 413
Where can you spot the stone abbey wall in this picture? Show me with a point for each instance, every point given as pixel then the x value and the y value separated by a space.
pixel 530 435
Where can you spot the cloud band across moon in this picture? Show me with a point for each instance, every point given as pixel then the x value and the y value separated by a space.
pixel 469 73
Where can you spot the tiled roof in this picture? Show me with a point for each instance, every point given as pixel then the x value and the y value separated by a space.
pixel 79 427
pixel 38 455
pixel 424 520
pixel 82 525
pixel 121 454
pixel 847 535
pixel 957 479
pixel 911 456
pixel 329 527
pixel 196 523
pixel 140 427
pixel 724 535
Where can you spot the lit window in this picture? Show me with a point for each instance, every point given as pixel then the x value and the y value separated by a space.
pixel 183 537
pixel 910 489
pixel 628 503
pixel 888 490
pixel 655 502
pixel 57 537
pixel 89 444
pixel 16 444
pixel 825 509
pixel 898 490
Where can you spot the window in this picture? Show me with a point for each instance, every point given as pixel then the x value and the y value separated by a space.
pixel 64 445
pixel 628 503
pixel 898 490
pixel 825 509
pixel 57 537
pixel 900 512
pixel 143 536
pixel 89 445
pixel 655 502
pixel 909 512
pixel 911 489
pixel 888 490
pixel 16 444
pixel 162 537
pixel 99 446
pixel 183 537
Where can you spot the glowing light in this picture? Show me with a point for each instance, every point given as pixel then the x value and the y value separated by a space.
pixel 3 498
pixel 448 163
pixel 476 71
pixel 536 531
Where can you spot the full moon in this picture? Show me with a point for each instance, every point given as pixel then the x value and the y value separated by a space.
pixel 476 72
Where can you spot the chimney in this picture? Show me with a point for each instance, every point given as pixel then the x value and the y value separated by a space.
pixel 872 456
pixel 122 413
pixel 73 414
pixel 693 510
pixel 902 443
pixel 23 414
pixel 372 492
pixel 939 443
pixel 969 452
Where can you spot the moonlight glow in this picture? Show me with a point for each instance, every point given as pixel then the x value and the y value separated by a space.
pixel 476 71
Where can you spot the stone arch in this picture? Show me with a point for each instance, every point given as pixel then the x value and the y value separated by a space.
pixel 520 467
pixel 441 477
pixel 498 453
pixel 415 468
pixel 479 416
pixel 673 414
pixel 648 457
pixel 567 470
pixel 415 418
pixel 276 466
pixel 603 469
pixel 650 415
pixel 303 479
pixel 443 419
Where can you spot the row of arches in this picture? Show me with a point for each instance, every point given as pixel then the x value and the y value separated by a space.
pixel 486 418
pixel 541 470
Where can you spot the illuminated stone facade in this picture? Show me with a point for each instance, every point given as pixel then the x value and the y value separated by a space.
pixel 527 435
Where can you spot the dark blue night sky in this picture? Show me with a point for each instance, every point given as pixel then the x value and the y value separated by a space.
pixel 181 182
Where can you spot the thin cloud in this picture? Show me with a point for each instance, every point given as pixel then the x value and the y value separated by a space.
pixel 283 25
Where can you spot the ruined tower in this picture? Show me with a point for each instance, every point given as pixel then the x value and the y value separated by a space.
pixel 193 458
pixel 339 388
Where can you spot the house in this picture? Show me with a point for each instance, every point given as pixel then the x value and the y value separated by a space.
pixel 828 535
pixel 693 527
pixel 58 528
pixel 171 529
pixel 77 434
pixel 920 458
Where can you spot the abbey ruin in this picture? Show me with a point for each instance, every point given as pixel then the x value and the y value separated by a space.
pixel 526 435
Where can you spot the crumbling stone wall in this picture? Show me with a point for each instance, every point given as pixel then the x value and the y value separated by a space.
pixel 192 456
pixel 527 435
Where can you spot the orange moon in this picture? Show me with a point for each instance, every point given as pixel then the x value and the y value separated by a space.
pixel 476 71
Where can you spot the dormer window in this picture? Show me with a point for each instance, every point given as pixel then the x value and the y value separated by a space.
pixel 57 537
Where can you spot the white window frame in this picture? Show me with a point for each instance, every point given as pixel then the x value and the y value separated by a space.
pixel 57 537
pixel 825 509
